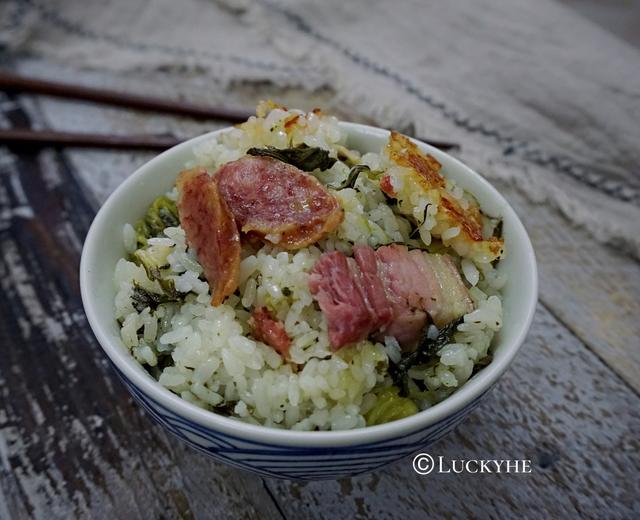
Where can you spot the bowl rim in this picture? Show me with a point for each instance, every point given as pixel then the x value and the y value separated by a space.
pixel 135 374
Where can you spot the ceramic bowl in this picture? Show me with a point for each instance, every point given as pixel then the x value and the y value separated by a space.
pixel 284 453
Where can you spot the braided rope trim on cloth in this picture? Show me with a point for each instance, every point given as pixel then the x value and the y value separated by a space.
pixel 512 146
pixel 606 218
pixel 308 77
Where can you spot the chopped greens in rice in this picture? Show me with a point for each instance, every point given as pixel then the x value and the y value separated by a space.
pixel 209 355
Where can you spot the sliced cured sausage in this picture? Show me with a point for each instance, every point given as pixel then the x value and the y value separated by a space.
pixel 210 230
pixel 278 201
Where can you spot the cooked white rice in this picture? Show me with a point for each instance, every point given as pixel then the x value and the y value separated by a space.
pixel 208 358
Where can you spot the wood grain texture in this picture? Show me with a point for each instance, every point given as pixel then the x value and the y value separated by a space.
pixel 593 289
pixel 558 406
pixel 72 443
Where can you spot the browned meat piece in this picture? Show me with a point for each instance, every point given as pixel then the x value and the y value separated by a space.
pixel 278 201
pixel 270 331
pixel 210 230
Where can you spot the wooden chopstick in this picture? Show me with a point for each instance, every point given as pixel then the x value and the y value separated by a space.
pixel 15 83
pixel 45 138
pixel 21 84
pixel 442 145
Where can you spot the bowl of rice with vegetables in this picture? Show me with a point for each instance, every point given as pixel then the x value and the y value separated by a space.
pixel 308 298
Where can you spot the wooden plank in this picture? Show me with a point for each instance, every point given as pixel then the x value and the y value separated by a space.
pixel 593 289
pixel 72 442
pixel 558 405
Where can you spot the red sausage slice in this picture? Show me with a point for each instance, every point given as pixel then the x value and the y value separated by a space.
pixel 278 201
pixel 210 230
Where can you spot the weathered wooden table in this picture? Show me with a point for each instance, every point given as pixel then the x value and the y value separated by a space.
pixel 73 444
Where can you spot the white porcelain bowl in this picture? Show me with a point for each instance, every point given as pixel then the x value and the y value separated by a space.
pixel 283 453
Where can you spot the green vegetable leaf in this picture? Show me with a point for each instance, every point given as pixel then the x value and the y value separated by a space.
pixel 497 231
pixel 346 182
pixel 224 408
pixel 353 175
pixel 142 298
pixel 481 363
pixel 390 406
pixel 305 157
pixel 162 213
pixel 416 229
pixel 424 353
pixel 154 261
pixel 142 232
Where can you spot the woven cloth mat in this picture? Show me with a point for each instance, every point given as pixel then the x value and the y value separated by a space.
pixel 548 104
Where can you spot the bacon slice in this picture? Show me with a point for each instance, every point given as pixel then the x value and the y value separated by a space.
pixel 278 201
pixel 270 331
pixel 452 297
pixel 388 292
pixel 210 230
pixel 369 276
pixel 419 284
pixel 340 299
pixel 407 291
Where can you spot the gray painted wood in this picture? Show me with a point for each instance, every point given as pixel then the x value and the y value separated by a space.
pixel 558 406
pixel 73 444
pixel 592 289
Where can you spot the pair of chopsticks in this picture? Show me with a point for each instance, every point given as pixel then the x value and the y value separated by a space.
pixel 19 84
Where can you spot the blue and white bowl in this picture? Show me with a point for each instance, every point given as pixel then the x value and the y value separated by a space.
pixel 284 453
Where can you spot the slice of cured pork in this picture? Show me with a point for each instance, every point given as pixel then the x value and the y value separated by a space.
pixel 388 292
pixel 333 284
